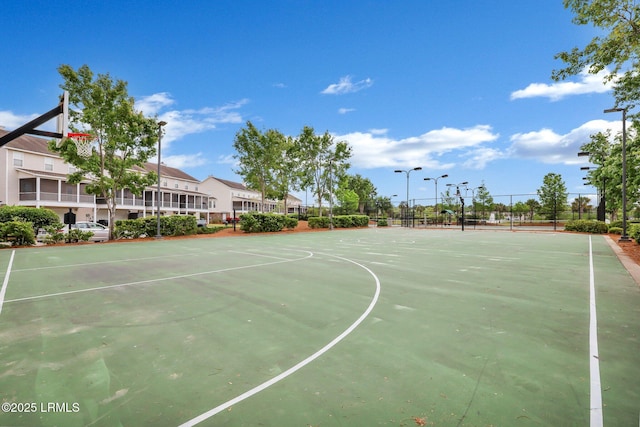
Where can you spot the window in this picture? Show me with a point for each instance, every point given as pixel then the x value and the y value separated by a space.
pixel 186 186
pixel 72 169
pixel 177 185
pixel 48 164
pixel 164 183
pixel 18 159
pixel 196 188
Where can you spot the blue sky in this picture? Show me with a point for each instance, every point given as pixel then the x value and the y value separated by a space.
pixel 456 87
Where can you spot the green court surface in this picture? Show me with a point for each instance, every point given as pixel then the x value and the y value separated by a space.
pixel 374 327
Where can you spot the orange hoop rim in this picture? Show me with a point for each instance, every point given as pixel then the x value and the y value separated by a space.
pixel 79 136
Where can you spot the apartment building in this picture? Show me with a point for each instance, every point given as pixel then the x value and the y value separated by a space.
pixel 235 197
pixel 35 176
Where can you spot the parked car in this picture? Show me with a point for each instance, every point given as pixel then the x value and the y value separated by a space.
pixel 100 232
pixel 202 223
pixel 231 221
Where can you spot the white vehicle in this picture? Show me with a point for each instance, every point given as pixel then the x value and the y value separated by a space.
pixel 100 232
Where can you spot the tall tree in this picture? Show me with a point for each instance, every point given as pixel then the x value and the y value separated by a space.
pixel 605 152
pixel 259 154
pixel 124 138
pixel 484 201
pixel 553 195
pixel 363 187
pixel 533 206
pixel 618 50
pixel 324 162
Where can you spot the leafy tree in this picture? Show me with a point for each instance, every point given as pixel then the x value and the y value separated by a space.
pixel 619 49
pixel 533 206
pixel 483 201
pixel 324 162
pixel 363 187
pixel 384 205
pixel 520 209
pixel 553 195
pixel 259 154
pixel 348 201
pixel 581 205
pixel 124 138
pixel 606 153
pixel 287 170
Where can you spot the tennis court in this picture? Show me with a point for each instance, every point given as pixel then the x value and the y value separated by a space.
pixel 390 327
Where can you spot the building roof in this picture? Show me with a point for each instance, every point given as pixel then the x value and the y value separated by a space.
pixel 40 145
pixel 29 143
pixel 231 184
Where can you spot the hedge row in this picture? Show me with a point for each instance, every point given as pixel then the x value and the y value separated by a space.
pixel 174 225
pixel 256 222
pixel 339 221
pixel 587 226
pixel 38 217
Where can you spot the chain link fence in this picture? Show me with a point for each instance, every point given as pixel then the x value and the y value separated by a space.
pixel 500 212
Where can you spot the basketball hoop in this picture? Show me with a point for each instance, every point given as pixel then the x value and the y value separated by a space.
pixel 83 143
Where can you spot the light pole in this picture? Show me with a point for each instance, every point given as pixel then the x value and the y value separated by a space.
pixel 408 172
pixel 436 181
pixel 160 124
pixel 461 198
pixel 624 237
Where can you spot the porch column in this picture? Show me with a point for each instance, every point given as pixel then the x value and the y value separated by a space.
pixel 78 193
pixel 59 190
pixel 37 192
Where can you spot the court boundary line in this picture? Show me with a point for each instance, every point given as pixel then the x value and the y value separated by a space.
pixel 257 389
pixel 5 283
pixel 161 279
pixel 595 395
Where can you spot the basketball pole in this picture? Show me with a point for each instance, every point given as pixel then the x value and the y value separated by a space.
pixel 30 127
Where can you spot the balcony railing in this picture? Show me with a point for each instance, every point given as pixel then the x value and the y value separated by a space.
pixel 53 197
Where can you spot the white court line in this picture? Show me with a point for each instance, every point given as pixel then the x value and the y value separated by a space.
pixel 202 417
pixel 101 262
pixel 142 282
pixel 594 361
pixel 6 280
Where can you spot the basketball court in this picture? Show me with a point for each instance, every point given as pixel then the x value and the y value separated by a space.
pixel 389 327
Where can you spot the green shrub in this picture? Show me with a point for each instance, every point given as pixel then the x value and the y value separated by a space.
pixel 210 229
pixel 38 217
pixel 615 230
pixel 173 225
pixel 339 221
pixel 19 233
pixel 256 222
pixel 382 222
pixel 290 222
pixel 129 229
pixel 586 226
pixel 249 223
pixel 55 234
pixel 634 232
pixel 77 235
pixel 319 222
pixel 343 221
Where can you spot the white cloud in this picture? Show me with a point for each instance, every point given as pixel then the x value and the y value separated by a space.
pixel 181 123
pixel 375 149
pixel 481 156
pixel 345 85
pixel 345 110
pixel 150 105
pixel 227 160
pixel 183 161
pixel 588 83
pixel 550 147
pixel 11 121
